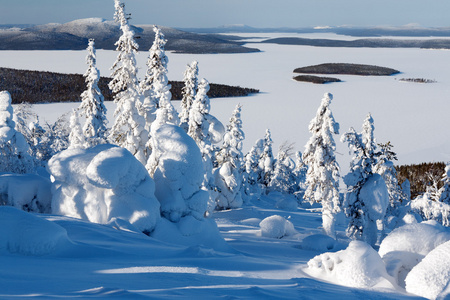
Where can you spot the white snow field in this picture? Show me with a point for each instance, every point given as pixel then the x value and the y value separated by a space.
pixel 268 249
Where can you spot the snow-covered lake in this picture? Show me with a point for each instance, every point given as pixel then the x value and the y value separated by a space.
pixel 412 116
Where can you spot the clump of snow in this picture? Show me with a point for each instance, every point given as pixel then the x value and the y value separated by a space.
pixel 276 227
pixel 431 277
pixel 418 238
pixel 102 183
pixel 179 173
pixel 431 210
pixel 36 197
pixel 406 246
pixel 357 266
pixel 190 231
pixel 320 242
pixel 27 234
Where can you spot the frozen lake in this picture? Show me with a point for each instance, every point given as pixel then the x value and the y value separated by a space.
pixel 412 116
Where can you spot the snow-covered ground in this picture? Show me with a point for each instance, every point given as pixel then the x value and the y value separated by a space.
pixel 412 116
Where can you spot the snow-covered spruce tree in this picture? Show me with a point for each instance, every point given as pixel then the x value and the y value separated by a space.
pixel 204 129
pixel 366 199
pixel 397 198
pixel 92 106
pixel 128 130
pixel 282 179
pixel 76 136
pixel 155 87
pixel 445 189
pixel 299 173
pixel 189 90
pixel 14 156
pixel 322 177
pixel 266 161
pixel 58 134
pixel 228 176
pixel 251 171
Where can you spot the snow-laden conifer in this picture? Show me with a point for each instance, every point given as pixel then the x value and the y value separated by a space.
pixel 155 87
pixel 14 156
pixel 251 171
pixel 266 161
pixel 364 201
pixel 92 106
pixel 205 130
pixel 128 130
pixel 282 179
pixel 76 136
pixel 445 189
pixel 189 91
pixel 322 177
pixel 229 159
pixel 299 173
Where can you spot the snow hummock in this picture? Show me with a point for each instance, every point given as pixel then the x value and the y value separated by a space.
pixel 36 197
pixel 102 183
pixel 406 246
pixel 357 266
pixel 25 233
pixel 431 277
pixel 276 227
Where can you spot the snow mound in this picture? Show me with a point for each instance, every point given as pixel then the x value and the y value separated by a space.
pixel 26 192
pixel 276 227
pixel 191 232
pixel 431 277
pixel 179 173
pixel 418 238
pixel 103 183
pixel 406 246
pixel 320 242
pixel 357 266
pixel 26 234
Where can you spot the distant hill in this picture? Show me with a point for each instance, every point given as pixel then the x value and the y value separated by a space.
pixel 45 87
pixel 74 36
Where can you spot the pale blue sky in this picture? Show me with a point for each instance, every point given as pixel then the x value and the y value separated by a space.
pixel 257 13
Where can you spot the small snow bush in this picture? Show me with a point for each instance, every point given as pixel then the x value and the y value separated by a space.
pixel 27 192
pixel 320 242
pixel 431 277
pixel 27 234
pixel 431 210
pixel 276 227
pixel 102 183
pixel 357 266
pixel 177 167
pixel 406 246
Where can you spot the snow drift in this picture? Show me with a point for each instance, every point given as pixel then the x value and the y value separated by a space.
pixel 103 183
pixel 357 266
pixel 431 277
pixel 26 234
pixel 36 197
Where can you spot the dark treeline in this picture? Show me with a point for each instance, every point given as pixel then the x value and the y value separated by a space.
pixel 421 176
pixel 46 87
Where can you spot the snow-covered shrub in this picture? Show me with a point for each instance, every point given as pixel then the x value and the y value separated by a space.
pixel 431 210
pixel 357 266
pixel 27 192
pixel 14 156
pixel 406 246
pixel 276 227
pixel 178 173
pixel 27 234
pixel 102 183
pixel 431 277
pixel 320 242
